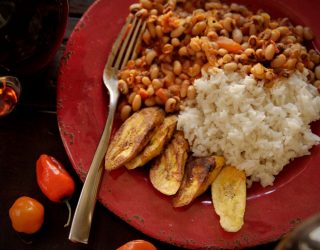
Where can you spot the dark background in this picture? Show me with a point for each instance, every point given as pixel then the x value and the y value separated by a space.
pixel 32 130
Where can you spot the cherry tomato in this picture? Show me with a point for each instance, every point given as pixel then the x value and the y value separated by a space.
pixel 137 245
pixel 27 215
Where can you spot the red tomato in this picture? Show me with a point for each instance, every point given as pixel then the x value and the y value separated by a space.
pixel 27 215
pixel 137 245
pixel 228 44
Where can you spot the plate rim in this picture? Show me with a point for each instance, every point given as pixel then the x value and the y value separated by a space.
pixel 136 224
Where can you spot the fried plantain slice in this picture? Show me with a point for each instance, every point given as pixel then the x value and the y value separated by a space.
pixel 132 136
pixel 219 161
pixel 157 142
pixel 228 192
pixel 199 173
pixel 167 171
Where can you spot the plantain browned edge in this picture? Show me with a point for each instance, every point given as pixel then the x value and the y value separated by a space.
pixel 158 141
pixel 167 171
pixel 133 135
pixel 199 174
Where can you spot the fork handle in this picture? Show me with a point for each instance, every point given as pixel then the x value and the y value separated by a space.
pixel 81 223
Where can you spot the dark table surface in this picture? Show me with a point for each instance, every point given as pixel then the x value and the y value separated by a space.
pixel 32 129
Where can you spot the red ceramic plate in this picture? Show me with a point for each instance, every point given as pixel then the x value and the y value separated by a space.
pixel 82 111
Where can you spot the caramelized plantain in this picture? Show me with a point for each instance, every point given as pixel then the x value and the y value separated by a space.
pixel 228 192
pixel 198 176
pixel 157 142
pixel 168 169
pixel 134 134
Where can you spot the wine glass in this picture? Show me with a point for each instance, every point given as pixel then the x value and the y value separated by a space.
pixel 10 89
pixel 30 34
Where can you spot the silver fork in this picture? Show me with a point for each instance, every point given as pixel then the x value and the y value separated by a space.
pixel 124 48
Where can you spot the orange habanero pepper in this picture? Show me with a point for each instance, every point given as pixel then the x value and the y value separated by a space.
pixel 137 245
pixel 26 215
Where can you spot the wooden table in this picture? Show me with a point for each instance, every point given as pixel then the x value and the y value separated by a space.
pixel 32 130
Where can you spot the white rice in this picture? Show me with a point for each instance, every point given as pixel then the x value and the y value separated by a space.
pixel 258 130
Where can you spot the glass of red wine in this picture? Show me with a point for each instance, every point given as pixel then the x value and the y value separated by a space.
pixel 30 34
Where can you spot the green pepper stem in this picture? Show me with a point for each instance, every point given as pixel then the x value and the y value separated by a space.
pixel 69 210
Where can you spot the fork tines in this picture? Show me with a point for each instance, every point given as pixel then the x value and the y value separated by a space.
pixel 126 46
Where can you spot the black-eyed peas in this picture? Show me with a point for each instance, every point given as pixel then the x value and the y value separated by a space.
pixel 222 52
pixel 317 72
pixel 135 7
pixel 175 42
pixel 167 48
pixel 157 84
pixel 253 41
pixel 269 74
pixel 159 32
pixel 146 81
pixel 184 88
pixel 125 112
pixel 150 56
pixel 224 32
pixel 170 105
pixel 260 55
pixel 270 51
pixel 194 70
pixel 310 65
pixel 183 51
pixel 149 102
pixel 195 44
pixel 154 71
pixel 230 67
pixel 174 89
pixel 290 63
pixel 123 87
pixel 249 53
pixel 311 76
pixel 177 32
pixel 212 35
pixel 154 12
pixel 152 29
pixel 142 13
pixel 131 97
pixel 300 66
pixel 165 39
pixel 198 28
pixel 146 4
pixel 314 56
pixel 177 67
pixel 237 35
pixel 279 61
pixel 183 39
pixel 136 103
pixel 178 80
pixel 275 35
pixel 191 92
pixel 258 71
pixel 307 33
pixel 169 79
pixel 150 90
pixel 227 58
